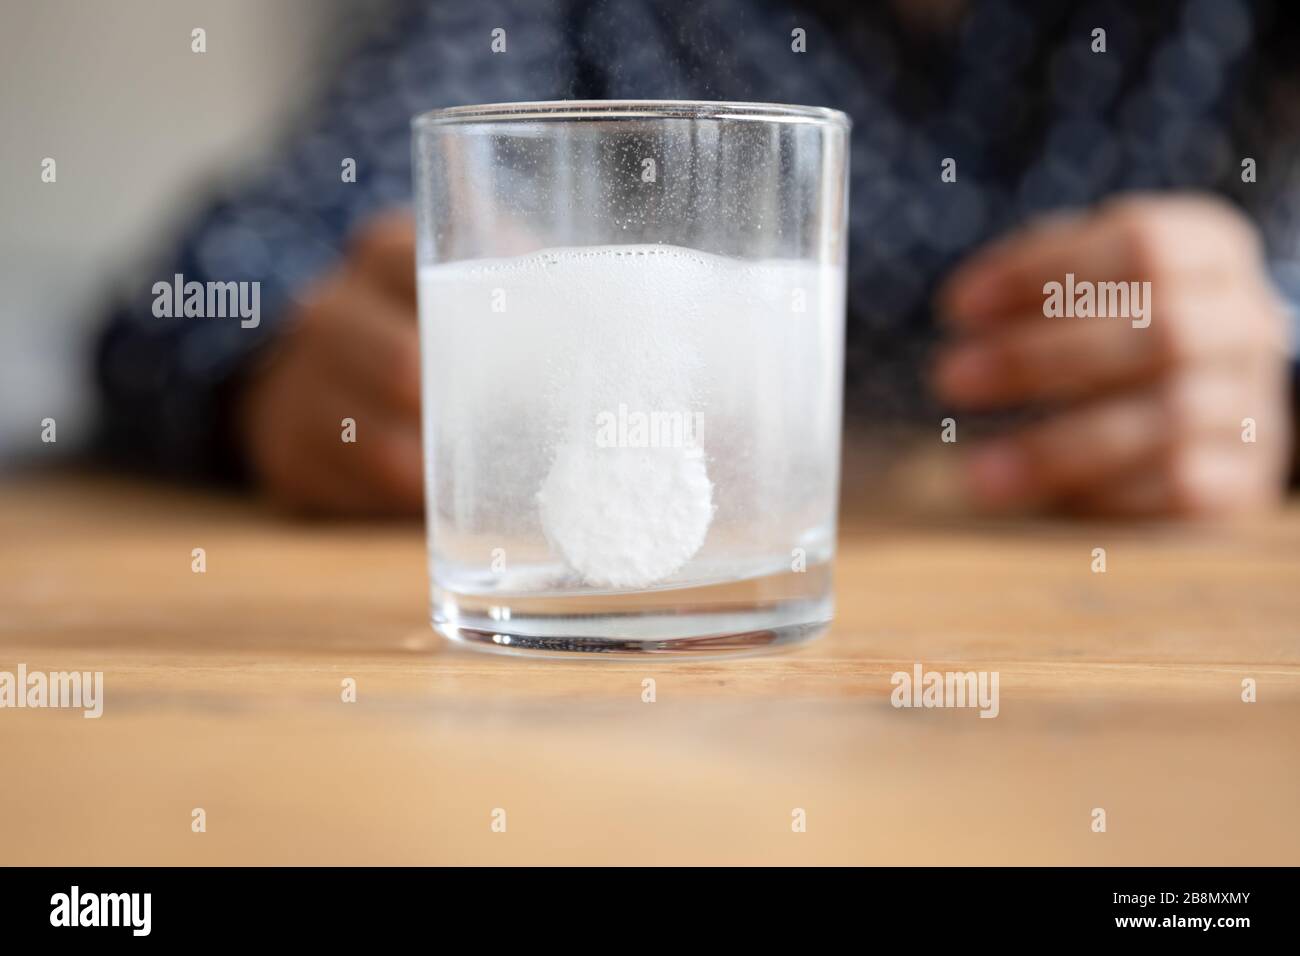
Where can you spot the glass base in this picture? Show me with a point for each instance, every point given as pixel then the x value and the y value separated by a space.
pixel 721 620
pixel 718 645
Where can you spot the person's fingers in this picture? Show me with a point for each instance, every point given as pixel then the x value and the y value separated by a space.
pixel 380 472
pixel 1151 239
pixel 331 422
pixel 383 252
pixel 1044 359
pixel 991 282
pixel 352 434
pixel 331 450
pixel 1039 463
pixel 308 490
pixel 322 441
pixel 1142 431
pixel 1203 479
pixel 368 339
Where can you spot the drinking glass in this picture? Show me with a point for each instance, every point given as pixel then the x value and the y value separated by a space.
pixel 632 338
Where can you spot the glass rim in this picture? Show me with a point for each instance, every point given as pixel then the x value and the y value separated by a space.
pixel 596 110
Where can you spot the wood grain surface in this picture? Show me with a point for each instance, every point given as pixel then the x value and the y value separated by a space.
pixel 1119 691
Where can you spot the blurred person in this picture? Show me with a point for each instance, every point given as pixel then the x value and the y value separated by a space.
pixel 1120 164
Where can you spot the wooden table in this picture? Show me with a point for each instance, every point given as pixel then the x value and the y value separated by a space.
pixel 1119 691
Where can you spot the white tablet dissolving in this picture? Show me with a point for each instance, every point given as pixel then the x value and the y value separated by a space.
pixel 626 517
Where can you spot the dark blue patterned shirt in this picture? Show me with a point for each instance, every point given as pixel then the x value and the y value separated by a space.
pixel 1010 89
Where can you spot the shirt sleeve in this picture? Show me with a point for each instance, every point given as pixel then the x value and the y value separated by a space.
pixel 167 383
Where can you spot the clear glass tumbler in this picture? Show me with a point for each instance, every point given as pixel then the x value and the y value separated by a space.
pixel 632 336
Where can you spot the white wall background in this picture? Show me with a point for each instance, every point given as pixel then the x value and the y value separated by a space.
pixel 140 127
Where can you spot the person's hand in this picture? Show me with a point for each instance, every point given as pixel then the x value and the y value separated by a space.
pixel 1142 420
pixel 351 351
